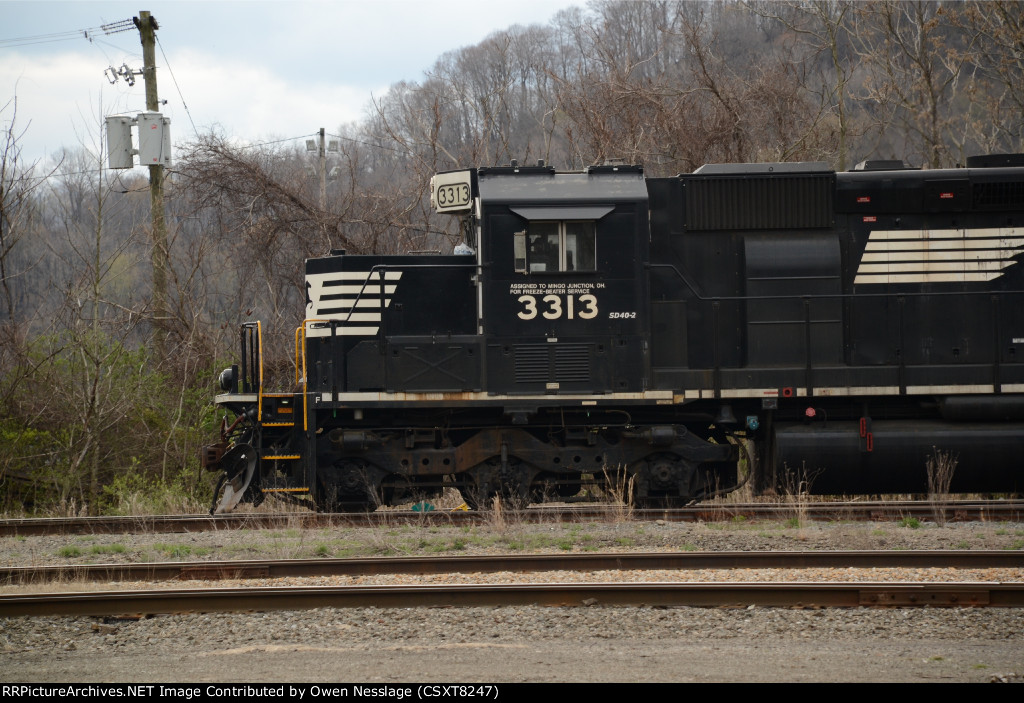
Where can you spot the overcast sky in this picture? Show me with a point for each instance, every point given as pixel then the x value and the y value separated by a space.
pixel 259 70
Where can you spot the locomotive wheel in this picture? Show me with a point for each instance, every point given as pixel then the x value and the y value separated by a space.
pixel 330 501
pixel 235 483
pixel 396 489
pixel 548 487
pixel 349 487
pixel 663 480
pixel 481 484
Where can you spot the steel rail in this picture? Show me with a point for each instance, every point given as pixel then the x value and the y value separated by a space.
pixel 787 595
pixel 954 511
pixel 519 563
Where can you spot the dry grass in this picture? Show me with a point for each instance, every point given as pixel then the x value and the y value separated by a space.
pixel 62 584
pixel 941 466
pixel 450 500
pixel 497 519
pixel 620 492
pixel 796 491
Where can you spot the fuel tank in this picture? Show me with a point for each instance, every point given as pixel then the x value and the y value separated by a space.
pixel 892 456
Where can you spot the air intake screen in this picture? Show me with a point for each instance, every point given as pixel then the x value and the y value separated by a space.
pixel 996 196
pixel 545 363
pixel 759 202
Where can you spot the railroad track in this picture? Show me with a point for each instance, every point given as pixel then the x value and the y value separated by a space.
pixel 960 511
pixel 659 594
pixel 518 563
pixel 805 595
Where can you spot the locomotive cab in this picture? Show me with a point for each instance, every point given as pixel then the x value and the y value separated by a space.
pixel 562 284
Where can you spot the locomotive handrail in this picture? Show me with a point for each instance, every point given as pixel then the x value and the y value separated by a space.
pixel 362 289
pixel 807 297
pixel 383 281
pixel 695 289
pixel 383 287
pixel 300 377
pixel 259 354
pixel 305 380
pixel 254 360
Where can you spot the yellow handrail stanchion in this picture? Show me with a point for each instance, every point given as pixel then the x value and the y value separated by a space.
pixel 259 353
pixel 305 380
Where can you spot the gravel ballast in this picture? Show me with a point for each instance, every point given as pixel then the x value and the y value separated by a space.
pixel 514 644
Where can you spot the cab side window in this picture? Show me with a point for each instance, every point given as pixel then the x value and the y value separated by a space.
pixel 547 247
pixel 580 246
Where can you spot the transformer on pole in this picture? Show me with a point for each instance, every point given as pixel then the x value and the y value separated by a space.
pixel 154 140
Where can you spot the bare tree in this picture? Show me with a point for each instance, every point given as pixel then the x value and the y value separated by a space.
pixel 82 356
pixel 257 219
pixel 686 85
pixel 822 32
pixel 914 62
pixel 995 34
pixel 18 186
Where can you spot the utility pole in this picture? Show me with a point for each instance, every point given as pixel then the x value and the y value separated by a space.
pixel 147 33
pixel 323 172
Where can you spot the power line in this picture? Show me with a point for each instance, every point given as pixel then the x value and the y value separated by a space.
pixel 44 38
pixel 56 174
pixel 277 141
pixel 97 43
pixel 9 43
pixel 88 34
pixel 375 146
pixel 177 87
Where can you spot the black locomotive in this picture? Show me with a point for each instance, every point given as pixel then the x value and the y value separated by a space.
pixel 644 333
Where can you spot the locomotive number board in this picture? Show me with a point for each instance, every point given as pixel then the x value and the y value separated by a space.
pixel 451 192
